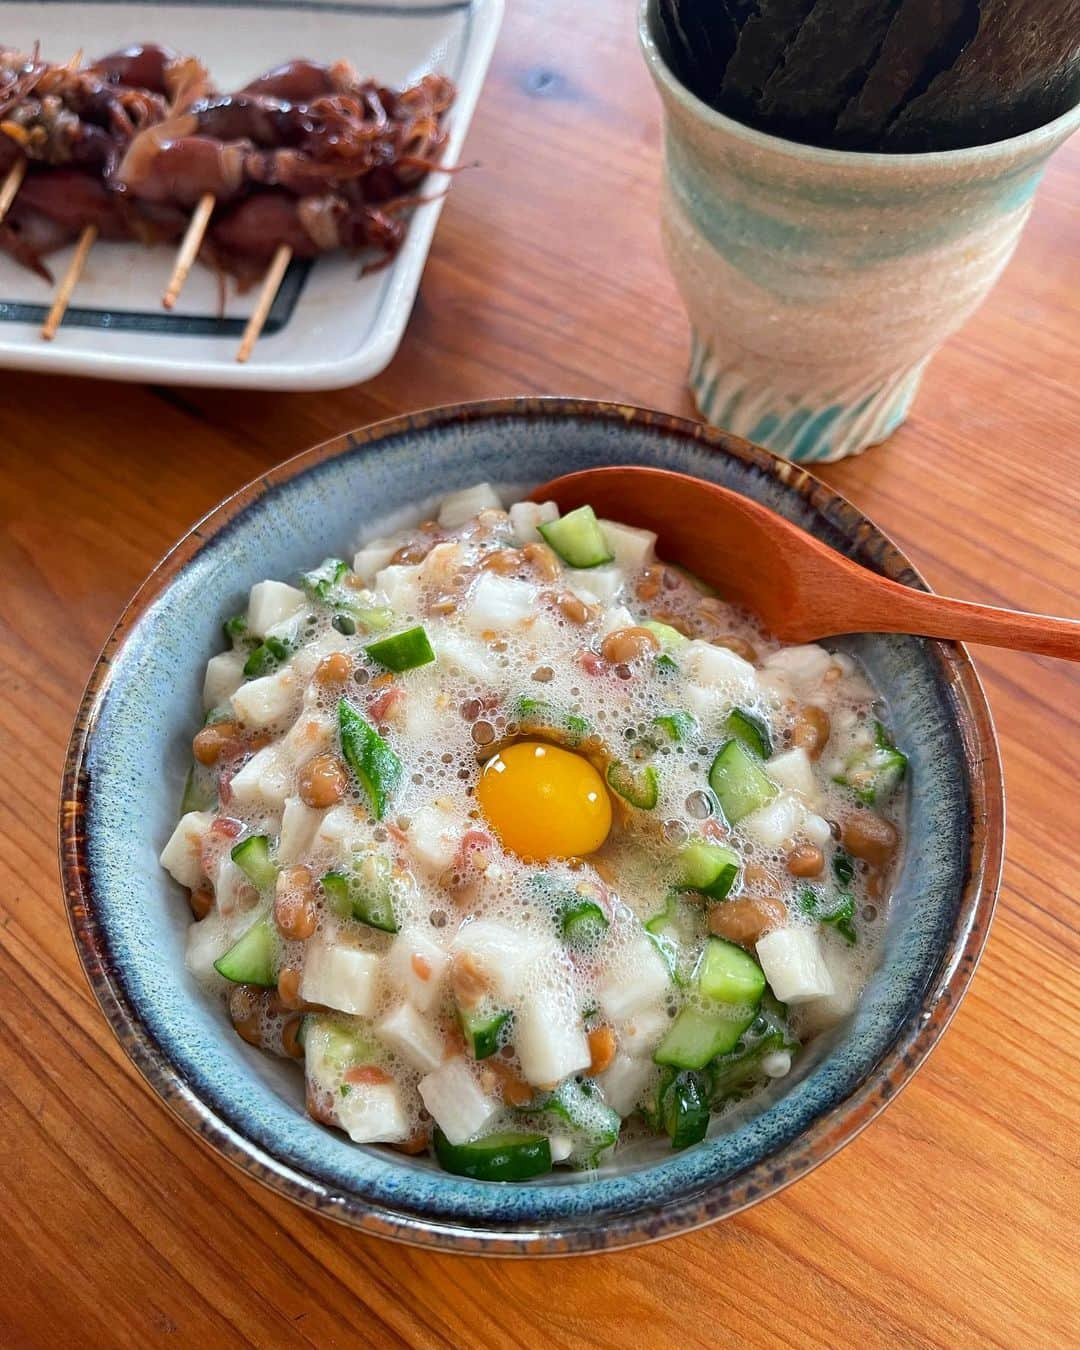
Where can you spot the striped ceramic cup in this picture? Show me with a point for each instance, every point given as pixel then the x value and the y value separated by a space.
pixel 820 282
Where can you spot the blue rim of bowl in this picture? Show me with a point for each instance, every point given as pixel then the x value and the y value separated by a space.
pixel 913 1041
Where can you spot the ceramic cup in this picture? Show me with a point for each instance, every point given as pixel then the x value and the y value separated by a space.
pixel 820 282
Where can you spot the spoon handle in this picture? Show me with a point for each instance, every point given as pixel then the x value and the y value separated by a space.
pixel 909 611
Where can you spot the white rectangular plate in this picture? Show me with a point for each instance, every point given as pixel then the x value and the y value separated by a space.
pixel 328 327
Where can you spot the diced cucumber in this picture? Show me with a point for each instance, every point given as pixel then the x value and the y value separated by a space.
pixel 729 975
pixel 252 856
pixel 708 868
pixel 320 581
pixel 639 786
pixel 199 792
pixel 374 765
pixel 677 931
pixel 267 656
pixel 592 1124
pixel 838 911
pixel 254 958
pixel 481 1030
pixel 739 785
pixel 577 538
pixel 875 774
pixel 364 892
pixel 506 1156
pixel 751 731
pixel 685 1109
pixel 583 922
pixel 534 714
pixel 665 634
pixel 235 628
pixel 332 1043
pixel 731 1072
pixel 696 1037
pixel 402 651
pixel 678 726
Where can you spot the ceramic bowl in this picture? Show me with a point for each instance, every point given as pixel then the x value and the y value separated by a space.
pixel 819 282
pixel 129 753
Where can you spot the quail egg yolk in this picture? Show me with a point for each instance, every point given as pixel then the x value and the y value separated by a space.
pixel 544 802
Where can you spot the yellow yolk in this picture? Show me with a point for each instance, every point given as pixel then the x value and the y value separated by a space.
pixel 544 802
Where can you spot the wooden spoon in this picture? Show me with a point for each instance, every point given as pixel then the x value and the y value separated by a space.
pixel 800 588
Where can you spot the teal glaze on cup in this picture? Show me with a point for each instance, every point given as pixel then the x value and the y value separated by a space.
pixel 820 282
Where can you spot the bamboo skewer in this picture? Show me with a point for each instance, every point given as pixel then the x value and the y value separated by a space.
pixel 68 283
pixel 271 283
pixel 11 185
pixel 189 249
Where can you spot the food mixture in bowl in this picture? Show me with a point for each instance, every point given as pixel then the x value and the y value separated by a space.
pixel 523 841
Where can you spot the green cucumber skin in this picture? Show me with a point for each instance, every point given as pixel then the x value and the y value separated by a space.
pixel 641 787
pixel 577 538
pixel 536 715
pixel 348 897
pixel 482 1031
pixel 729 976
pixel 373 764
pixel 751 731
pixel 685 1109
pixel 582 922
pixel 709 868
pixel 507 1156
pixel 407 650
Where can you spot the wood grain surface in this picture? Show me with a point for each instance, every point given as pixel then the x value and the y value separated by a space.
pixel 953 1219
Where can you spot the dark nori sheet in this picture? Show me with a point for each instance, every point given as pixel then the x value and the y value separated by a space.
pixel 762 39
pixel 823 67
pixel 925 37
pixel 1020 70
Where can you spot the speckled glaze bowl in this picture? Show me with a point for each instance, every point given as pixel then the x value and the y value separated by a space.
pixel 820 282
pixel 129 753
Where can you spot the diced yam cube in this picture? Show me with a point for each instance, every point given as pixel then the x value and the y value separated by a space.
pixel 615 618
pixel 560 1147
pixel 233 894
pixel 816 829
pixel 307 659
pixel 461 506
pixel 793 770
pixel 435 832
pixel 776 824
pixel 260 703
pixel 633 548
pixel 504 954
pixel 298 826
pixel 455 1100
pixel 207 941
pixel 595 585
pixel 637 979
pixel 498 603
pixel 624 1082
pixel 263 782
pixel 461 655
pixel 821 1013
pixel 438 571
pixel 412 1037
pixel 224 676
pixel 525 516
pixel 642 1032
pixel 793 964
pixel 342 829
pixel 805 666
pixel 370 559
pixel 399 586
pixel 416 967
pixel 718 668
pixel 270 604
pixel 182 855
pixel 311 734
pixel 372 1113
pixel 549 1036
pixel 338 977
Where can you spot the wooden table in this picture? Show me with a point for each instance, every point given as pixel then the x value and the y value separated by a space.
pixel 950 1220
